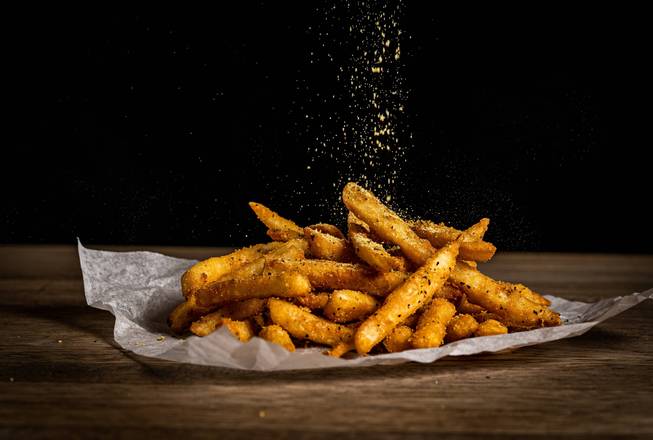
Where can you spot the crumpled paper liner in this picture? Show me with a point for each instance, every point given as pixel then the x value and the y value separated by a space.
pixel 141 288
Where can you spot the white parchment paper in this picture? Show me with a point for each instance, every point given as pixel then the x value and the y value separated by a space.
pixel 141 288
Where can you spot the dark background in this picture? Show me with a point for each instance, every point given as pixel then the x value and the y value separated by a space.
pixel 142 127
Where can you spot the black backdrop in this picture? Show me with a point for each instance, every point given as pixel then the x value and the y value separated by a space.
pixel 157 127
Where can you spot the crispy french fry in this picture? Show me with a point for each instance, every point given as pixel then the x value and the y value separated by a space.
pixel 304 325
pixel 448 292
pixel 184 314
pixel 514 310
pixel 276 334
pixel 520 289
pixel 349 305
pixel 285 284
pixel 242 330
pixel 471 247
pixel 491 327
pixel 461 327
pixel 241 310
pixel 342 348
pixel 407 298
pixel 327 247
pixel 370 251
pixel 292 250
pixel 212 269
pixel 385 223
pixel 312 301
pixel 398 339
pixel 326 228
pixel 324 274
pixel 275 222
pixel 432 325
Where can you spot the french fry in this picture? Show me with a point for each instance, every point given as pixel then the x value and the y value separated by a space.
pixel 184 314
pixel 242 330
pixel 292 250
pixel 514 310
pixel 491 327
pixel 370 251
pixel 276 223
pixel 520 289
pixel 432 325
pixel 407 298
pixel 398 339
pixel 461 327
pixel 277 335
pixel 328 247
pixel 349 305
pixel 325 274
pixel 285 284
pixel 471 247
pixel 312 301
pixel 241 310
pixel 448 292
pixel 326 228
pixel 304 325
pixel 342 348
pixel 212 269
pixel 385 223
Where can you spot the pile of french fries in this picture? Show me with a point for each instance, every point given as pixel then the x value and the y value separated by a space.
pixel 388 285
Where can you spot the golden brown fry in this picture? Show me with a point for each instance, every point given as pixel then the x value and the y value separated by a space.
pixel 398 339
pixel 277 335
pixel 184 314
pixel 461 327
pixel 328 229
pixel 212 269
pixel 385 223
pixel 471 247
pixel 286 284
pixel 407 298
pixel 448 292
pixel 520 289
pixel 327 247
pixel 370 251
pixel 432 325
pixel 242 330
pixel 478 230
pixel 514 310
pixel 466 307
pixel 241 310
pixel 342 348
pixel 275 222
pixel 491 327
pixel 324 274
pixel 349 305
pixel 292 250
pixel 304 325
pixel 312 301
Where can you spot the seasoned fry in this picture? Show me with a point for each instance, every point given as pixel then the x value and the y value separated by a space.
pixel 520 289
pixel 286 284
pixel 342 348
pixel 312 300
pixel 240 329
pixel 514 310
pixel 212 269
pixel 292 250
pixel 448 292
pixel 349 305
pixel 328 229
pixel 275 222
pixel 277 335
pixel 184 314
pixel 370 251
pixel 491 327
pixel 398 339
pixel 328 247
pixel 208 323
pixel 304 325
pixel 407 298
pixel 324 274
pixel 471 247
pixel 432 325
pixel 461 327
pixel 385 223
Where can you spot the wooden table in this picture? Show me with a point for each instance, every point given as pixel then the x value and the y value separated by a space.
pixel 61 374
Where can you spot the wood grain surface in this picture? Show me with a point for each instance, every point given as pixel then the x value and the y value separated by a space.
pixel 62 375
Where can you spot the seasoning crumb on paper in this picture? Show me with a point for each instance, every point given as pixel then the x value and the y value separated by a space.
pixel 262 414
pixel 140 289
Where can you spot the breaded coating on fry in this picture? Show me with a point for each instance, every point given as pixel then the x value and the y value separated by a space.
pixel 349 305
pixel 242 330
pixel 275 222
pixel 385 223
pixel 398 339
pixel 471 248
pixel 325 274
pixel 327 247
pixel 461 327
pixel 432 325
pixel 312 301
pixel 491 327
pixel 514 310
pixel 286 284
pixel 304 325
pixel 407 298
pixel 277 335
pixel 241 310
